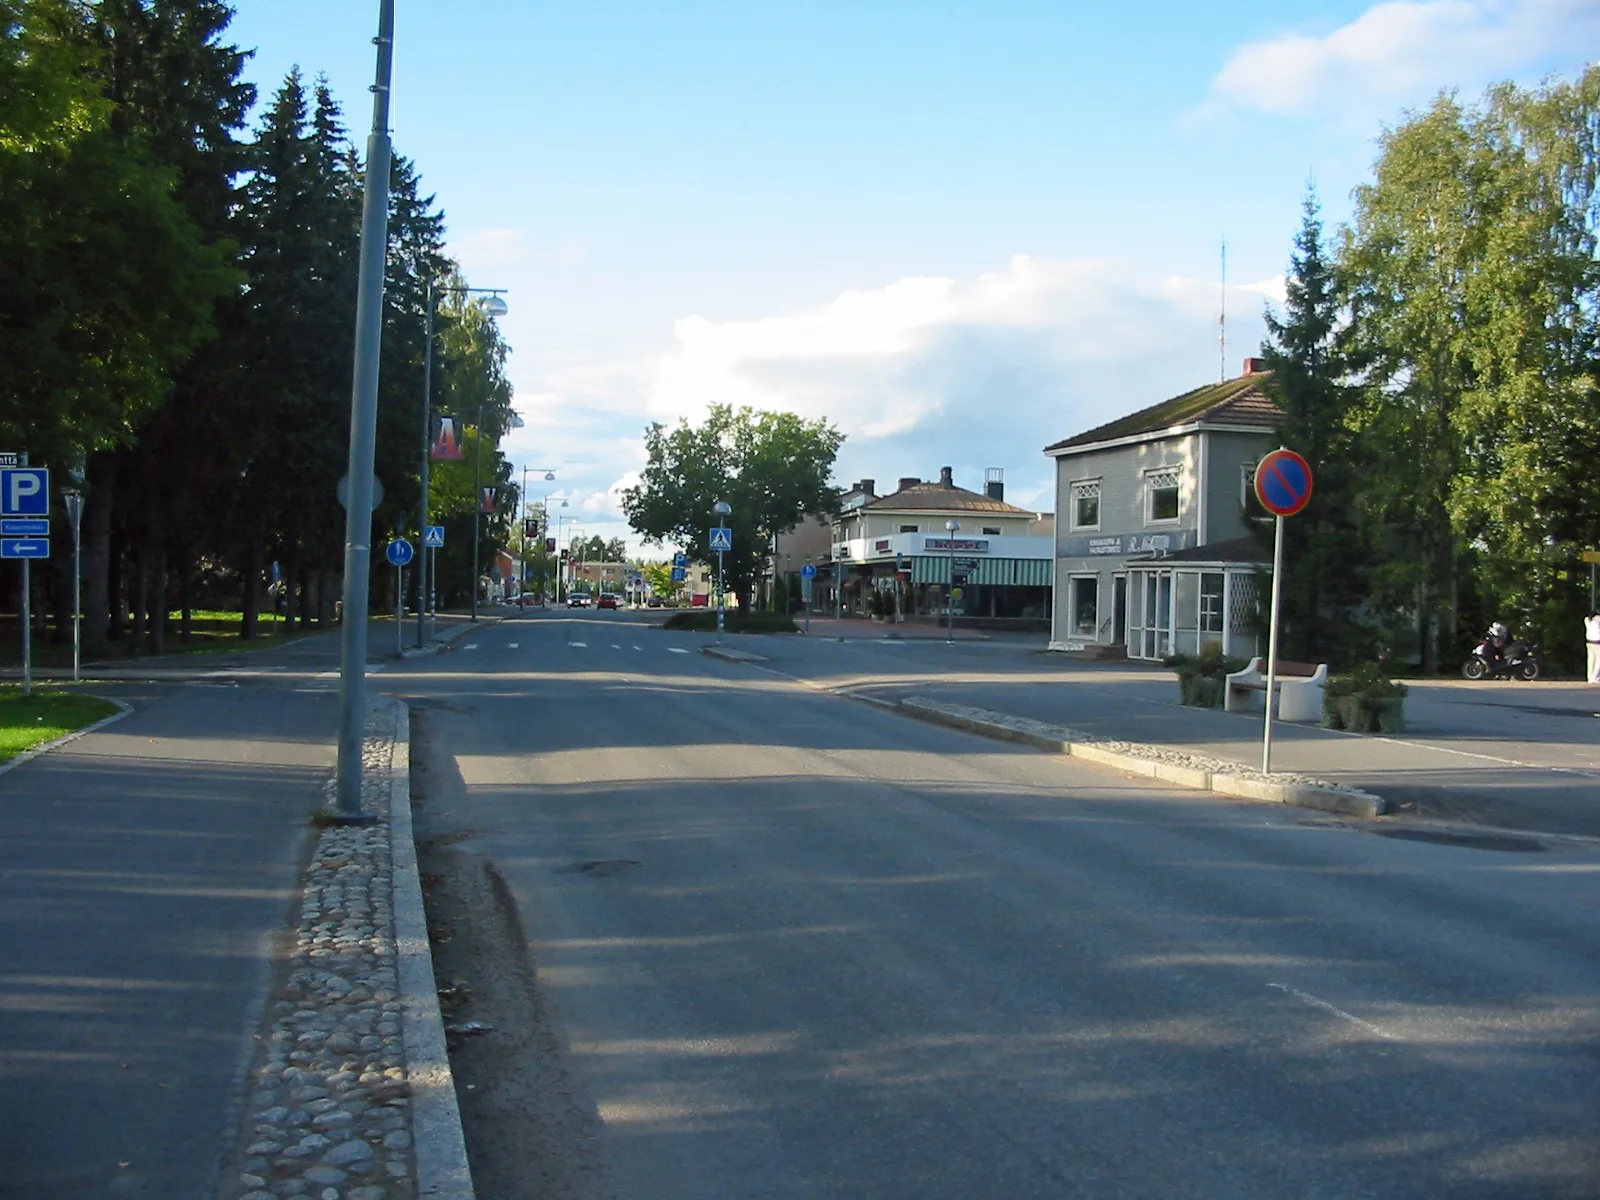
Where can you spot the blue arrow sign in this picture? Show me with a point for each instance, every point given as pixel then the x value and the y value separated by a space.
pixel 24 527
pixel 809 571
pixel 25 492
pixel 399 552
pixel 722 538
pixel 24 547
pixel 433 537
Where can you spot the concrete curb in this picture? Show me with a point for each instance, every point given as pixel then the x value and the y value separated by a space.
pixel 1059 740
pixel 440 1147
pixel 729 654
pixel 53 743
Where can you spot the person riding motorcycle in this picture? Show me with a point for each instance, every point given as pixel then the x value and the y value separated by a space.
pixel 1497 641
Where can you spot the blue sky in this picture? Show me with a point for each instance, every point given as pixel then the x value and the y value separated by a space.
pixel 958 231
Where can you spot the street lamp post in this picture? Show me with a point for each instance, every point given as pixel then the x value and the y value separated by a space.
pixel 722 508
pixel 492 306
pixel 363 436
pixel 952 526
pixel 73 499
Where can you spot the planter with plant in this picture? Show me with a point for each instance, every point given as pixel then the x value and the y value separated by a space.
pixel 1203 678
pixel 1364 700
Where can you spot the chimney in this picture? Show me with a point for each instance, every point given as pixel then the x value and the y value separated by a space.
pixel 866 485
pixel 908 481
pixel 1255 366
pixel 994 483
pixel 945 479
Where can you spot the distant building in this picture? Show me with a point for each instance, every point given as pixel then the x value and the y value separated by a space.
pixel 1154 552
pixel 999 557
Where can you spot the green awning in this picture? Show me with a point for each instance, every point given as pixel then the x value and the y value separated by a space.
pixel 999 572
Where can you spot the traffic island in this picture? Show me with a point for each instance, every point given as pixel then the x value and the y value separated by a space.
pixel 31 725
pixel 1200 772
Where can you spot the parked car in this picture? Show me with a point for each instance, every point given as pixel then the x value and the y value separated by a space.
pixel 608 600
pixel 653 602
pixel 578 600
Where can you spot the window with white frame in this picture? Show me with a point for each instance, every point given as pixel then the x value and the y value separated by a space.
pixel 991 531
pixel 1248 500
pixel 1211 583
pixel 1086 504
pixel 909 529
pixel 1161 495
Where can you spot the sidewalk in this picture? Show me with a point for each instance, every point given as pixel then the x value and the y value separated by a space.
pixel 1447 766
pixel 859 628
pixel 160 883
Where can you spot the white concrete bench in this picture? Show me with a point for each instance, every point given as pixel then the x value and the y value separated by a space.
pixel 1299 689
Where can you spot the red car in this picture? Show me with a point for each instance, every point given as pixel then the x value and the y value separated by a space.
pixel 607 600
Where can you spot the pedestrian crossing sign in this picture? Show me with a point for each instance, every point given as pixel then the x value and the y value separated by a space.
pixel 722 538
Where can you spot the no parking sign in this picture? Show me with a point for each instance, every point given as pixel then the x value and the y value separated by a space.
pixel 1283 483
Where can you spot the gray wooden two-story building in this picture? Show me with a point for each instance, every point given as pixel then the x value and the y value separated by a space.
pixel 1154 552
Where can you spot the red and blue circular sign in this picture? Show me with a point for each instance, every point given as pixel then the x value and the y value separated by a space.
pixel 1283 483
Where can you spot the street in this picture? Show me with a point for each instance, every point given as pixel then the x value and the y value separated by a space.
pixel 735 936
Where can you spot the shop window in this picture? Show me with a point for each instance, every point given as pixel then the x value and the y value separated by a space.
pixel 1085 605
pixel 991 531
pixel 1161 495
pixel 909 529
pixel 1211 602
pixel 1086 504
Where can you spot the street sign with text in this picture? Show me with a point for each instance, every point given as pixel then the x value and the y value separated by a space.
pixel 25 527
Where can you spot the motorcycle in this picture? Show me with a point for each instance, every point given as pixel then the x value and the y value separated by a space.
pixel 1519 660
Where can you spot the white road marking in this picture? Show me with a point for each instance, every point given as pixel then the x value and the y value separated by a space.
pixel 511 645
pixel 1308 998
pixel 470 646
pixel 579 645
pixel 677 649
pixel 638 647
pixel 614 646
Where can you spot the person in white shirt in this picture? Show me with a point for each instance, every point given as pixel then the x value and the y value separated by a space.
pixel 1591 635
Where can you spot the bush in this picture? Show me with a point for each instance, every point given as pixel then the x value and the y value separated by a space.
pixel 1364 700
pixel 1202 678
pixel 704 620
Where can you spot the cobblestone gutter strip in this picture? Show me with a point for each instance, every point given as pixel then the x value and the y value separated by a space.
pixel 1199 771
pixel 330 1111
pixel 729 654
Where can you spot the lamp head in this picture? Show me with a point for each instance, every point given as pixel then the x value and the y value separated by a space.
pixel 493 306
pixel 722 508
pixel 952 525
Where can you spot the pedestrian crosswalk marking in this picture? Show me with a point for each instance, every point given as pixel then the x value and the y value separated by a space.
pixel 677 649
pixel 579 645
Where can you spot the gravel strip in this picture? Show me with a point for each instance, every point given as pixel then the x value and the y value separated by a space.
pixel 327 1115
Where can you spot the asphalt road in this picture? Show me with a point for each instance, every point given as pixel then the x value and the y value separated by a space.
pixel 785 944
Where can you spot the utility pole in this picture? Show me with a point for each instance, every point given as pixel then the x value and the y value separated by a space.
pixel 363 434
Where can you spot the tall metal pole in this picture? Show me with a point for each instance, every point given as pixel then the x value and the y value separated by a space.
pixel 477 507
pixel 720 591
pixel 1272 646
pixel 363 433
pixel 74 503
pixel 950 597
pixel 27 618
pixel 427 453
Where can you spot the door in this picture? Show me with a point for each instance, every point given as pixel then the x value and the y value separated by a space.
pixel 1119 609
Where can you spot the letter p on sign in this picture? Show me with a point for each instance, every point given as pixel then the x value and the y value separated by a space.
pixel 25 492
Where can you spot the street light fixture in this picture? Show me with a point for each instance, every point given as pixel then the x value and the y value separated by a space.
pixel 952 526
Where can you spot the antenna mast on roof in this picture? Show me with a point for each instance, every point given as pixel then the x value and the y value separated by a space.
pixel 1222 319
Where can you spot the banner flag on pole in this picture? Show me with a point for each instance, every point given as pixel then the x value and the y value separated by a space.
pixel 447 442
pixel 486 502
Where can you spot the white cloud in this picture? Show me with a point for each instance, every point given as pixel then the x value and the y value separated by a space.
pixel 1402 52
pixel 919 373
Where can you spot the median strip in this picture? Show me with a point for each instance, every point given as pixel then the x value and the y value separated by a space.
pixel 1176 767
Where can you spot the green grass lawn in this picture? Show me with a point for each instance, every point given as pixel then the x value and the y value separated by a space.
pixel 213 632
pixel 25 722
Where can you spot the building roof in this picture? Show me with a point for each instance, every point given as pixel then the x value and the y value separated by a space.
pixel 1239 401
pixel 935 496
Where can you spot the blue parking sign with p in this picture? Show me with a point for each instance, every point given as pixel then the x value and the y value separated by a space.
pixel 25 492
